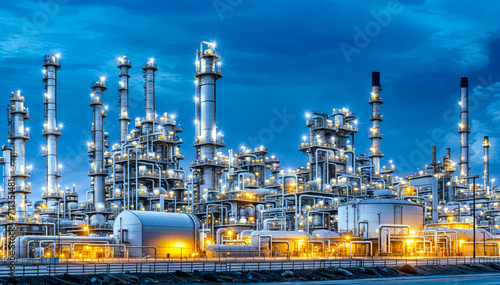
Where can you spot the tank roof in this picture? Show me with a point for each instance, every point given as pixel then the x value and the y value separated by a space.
pixel 147 218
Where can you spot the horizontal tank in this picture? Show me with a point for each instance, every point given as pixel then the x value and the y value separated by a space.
pixel 363 217
pixel 172 234
pixel 230 250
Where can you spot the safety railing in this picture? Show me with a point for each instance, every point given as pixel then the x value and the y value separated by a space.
pixel 151 265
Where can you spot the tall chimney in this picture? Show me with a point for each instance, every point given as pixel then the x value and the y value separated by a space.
pixel 375 135
pixel 150 68
pixel 464 127
pixel 98 171
pixel 124 65
pixel 434 158
pixel 448 153
pixel 486 147
pixel 207 141
pixel 50 129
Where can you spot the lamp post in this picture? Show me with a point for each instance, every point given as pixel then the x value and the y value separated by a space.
pixel 473 212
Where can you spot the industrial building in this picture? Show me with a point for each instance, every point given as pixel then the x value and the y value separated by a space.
pixel 142 203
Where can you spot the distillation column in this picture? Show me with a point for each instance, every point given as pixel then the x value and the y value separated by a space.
pixel 486 170
pixel 375 135
pixel 150 68
pixel 98 172
pixel 124 65
pixel 464 127
pixel 18 135
pixel 50 131
pixel 207 73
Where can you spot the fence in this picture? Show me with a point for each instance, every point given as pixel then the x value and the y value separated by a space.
pixel 214 266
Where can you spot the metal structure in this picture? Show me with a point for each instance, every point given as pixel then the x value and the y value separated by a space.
pixel 141 202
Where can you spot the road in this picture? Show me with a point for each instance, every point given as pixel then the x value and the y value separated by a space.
pixel 486 279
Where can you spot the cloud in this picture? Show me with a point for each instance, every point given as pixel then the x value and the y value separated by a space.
pixel 283 53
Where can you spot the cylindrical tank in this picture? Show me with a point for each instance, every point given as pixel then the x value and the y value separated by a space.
pixel 366 215
pixel 73 205
pixel 324 234
pixel 172 234
pixel 231 250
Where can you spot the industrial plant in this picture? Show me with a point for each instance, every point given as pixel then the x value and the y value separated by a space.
pixel 144 201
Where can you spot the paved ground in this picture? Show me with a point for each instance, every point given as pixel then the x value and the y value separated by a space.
pixel 489 279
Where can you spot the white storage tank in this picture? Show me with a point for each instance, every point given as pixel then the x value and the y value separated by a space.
pixel 172 234
pixel 366 215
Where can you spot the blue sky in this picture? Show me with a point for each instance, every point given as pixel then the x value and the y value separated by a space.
pixel 278 56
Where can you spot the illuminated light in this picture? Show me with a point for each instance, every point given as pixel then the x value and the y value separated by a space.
pixel 151 60
pixel 58 55
pixel 308 115
pixel 347 237
pixel 102 78
pixel 61 126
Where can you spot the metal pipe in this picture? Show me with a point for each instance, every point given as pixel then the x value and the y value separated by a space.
pixel 21 241
pixel 360 242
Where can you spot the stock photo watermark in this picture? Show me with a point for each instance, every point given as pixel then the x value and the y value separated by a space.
pixel 363 36
pixel 225 6
pixel 277 124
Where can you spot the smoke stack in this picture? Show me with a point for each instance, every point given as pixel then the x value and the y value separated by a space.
pixel 18 135
pixel 50 129
pixel 433 156
pixel 207 141
pixel 98 171
pixel 150 68
pixel 486 148
pixel 448 153
pixel 464 127
pixel 375 135
pixel 124 65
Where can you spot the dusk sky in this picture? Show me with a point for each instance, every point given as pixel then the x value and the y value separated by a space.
pixel 280 59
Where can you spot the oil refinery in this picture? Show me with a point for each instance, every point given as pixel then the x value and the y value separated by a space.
pixel 144 201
